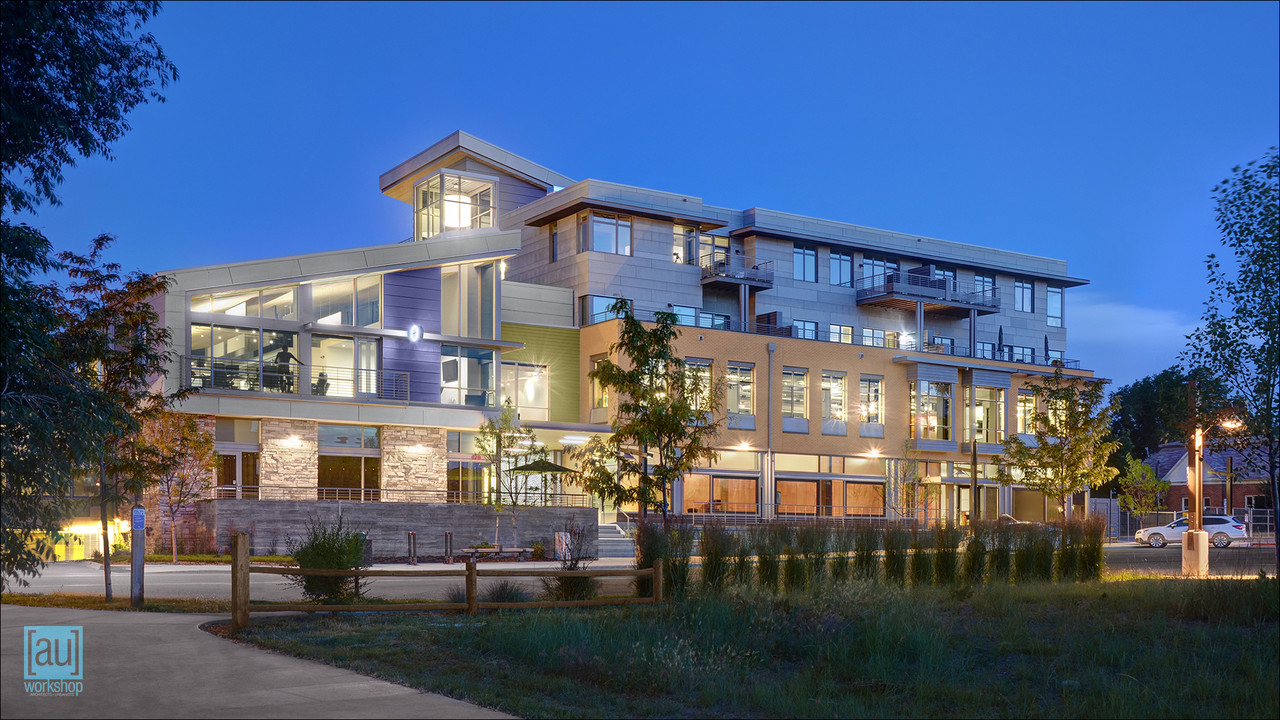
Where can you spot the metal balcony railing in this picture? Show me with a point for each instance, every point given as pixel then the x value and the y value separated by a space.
pixel 344 494
pixel 926 288
pixel 737 267
pixel 288 378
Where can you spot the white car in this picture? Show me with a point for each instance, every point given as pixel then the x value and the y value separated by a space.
pixel 1222 529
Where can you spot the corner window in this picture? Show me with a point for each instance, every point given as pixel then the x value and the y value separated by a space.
pixel 1055 306
pixel 604 232
pixel 795 387
pixel 804 264
pixel 1024 296
pixel 450 201
pixel 684 244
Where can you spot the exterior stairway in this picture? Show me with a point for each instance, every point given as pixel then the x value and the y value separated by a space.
pixel 613 543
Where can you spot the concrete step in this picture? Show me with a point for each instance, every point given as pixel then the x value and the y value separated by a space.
pixel 616 549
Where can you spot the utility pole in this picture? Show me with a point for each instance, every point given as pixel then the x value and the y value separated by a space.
pixel 1195 548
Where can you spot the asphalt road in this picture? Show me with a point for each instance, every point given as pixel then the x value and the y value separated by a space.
pixel 214 581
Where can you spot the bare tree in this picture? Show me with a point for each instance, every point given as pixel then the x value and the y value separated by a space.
pixel 184 481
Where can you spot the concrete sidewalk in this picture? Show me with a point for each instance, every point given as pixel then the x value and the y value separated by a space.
pixel 142 665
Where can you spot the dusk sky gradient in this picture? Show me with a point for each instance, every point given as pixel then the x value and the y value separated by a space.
pixel 1089 132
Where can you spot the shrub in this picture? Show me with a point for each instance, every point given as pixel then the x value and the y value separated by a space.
pixel 896 541
pixel 575 558
pixel 1091 559
pixel 921 563
pixel 1066 565
pixel 509 591
pixel 456 594
pixel 793 570
pixel 813 543
pixel 742 569
pixel 841 545
pixel 718 548
pixel 998 559
pixel 946 539
pixel 539 550
pixel 866 541
pixel 975 554
pixel 1032 554
pixel 651 544
pixel 676 573
pixel 332 547
pixel 765 540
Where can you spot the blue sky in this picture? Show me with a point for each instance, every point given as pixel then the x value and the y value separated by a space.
pixel 1090 132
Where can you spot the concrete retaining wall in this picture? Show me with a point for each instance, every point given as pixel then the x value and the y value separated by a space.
pixel 273 522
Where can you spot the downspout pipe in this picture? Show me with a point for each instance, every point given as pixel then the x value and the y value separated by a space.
pixel 770 484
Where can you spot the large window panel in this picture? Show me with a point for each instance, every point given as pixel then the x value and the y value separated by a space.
pixel 466 376
pixel 930 410
pixel 526 387
pixel 739 389
pixel 467 300
pixel 987 426
pixel 795 387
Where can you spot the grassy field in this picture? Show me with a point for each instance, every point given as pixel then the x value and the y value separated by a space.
pixel 1133 648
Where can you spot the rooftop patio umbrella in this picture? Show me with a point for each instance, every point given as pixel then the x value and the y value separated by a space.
pixel 1046 347
pixel 541 466
pixel 1000 343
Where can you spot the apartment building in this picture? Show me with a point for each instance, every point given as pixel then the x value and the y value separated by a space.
pixel 360 376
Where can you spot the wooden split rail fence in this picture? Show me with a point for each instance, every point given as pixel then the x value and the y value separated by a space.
pixel 241 569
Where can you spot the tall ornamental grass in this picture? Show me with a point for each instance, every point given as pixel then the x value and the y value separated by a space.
pixel 718 547
pixel 896 542
pixel 866 543
pixel 974 565
pixel 946 540
pixel 921 559
pixel 842 543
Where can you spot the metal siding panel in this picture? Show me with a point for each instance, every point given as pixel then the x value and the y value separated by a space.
pixel 987 378
pixel 413 297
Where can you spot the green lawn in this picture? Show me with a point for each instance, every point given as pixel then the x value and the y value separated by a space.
pixel 1135 648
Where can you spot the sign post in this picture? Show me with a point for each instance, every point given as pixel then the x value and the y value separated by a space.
pixel 138 553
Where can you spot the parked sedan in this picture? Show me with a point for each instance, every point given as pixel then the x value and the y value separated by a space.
pixel 1222 529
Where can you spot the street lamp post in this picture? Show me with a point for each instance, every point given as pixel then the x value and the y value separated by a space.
pixel 1195 541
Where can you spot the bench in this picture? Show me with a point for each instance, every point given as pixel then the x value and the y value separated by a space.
pixel 520 553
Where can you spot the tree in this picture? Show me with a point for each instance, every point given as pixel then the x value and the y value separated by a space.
pixel 1071 449
pixel 70 74
pixel 1141 492
pixel 506 444
pixel 1238 340
pixel 1155 410
pixel 665 410
pixel 186 478
pixel 904 487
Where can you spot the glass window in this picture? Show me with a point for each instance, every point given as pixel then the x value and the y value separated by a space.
pixel 453 202
pixel 871 399
pixel 348 478
pixel 833 395
pixel 739 388
pixel 698 377
pixel 685 315
pixel 841 268
pixel 805 329
pixel 467 481
pixel 795 386
pixel 712 248
pixel 987 426
pixel 1021 354
pixel 985 284
pixel 1026 413
pixel 946 274
pixel 684 244
pixel 714 321
pixel 599 396
pixel 272 303
pixel 873 266
pixel 804 264
pixel 526 386
pixel 280 303
pixel 555 241
pixel 466 376
pixel 350 301
pixel 1024 296
pixel 233 358
pixel 930 410
pixel 235 430
pixel 986 350
pixel 703 494
pixel 349 436
pixel 1055 306
pixel 467 307
pixel 840 334
pixel 879 338
pixel 610 233
pixel 595 308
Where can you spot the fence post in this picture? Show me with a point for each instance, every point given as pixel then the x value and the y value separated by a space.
pixel 473 597
pixel 413 548
pixel 239 581
pixel 448 547
pixel 657 581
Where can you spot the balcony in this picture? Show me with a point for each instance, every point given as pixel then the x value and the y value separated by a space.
pixel 292 379
pixel 902 290
pixel 736 270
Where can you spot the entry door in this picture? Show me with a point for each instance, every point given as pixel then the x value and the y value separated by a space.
pixel 236 475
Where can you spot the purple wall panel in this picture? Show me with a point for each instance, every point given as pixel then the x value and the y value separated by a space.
pixel 412 297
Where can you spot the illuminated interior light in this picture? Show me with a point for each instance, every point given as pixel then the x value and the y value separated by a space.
pixel 457 212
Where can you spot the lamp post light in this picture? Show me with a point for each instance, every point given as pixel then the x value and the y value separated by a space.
pixel 1195 541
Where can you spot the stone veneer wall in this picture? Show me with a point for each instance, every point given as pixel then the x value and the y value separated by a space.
pixel 192 534
pixel 414 458
pixel 273 522
pixel 290 457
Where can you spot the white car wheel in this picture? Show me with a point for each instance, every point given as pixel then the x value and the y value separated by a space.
pixel 1156 540
pixel 1221 540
